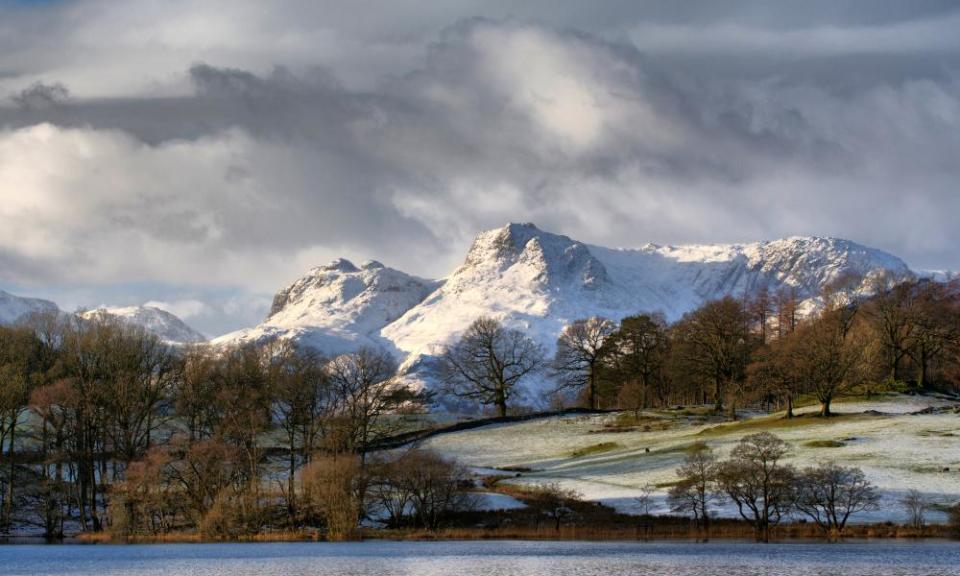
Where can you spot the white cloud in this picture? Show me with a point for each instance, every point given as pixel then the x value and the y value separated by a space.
pixel 184 309
pixel 240 174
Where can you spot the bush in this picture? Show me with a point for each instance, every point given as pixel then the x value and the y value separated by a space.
pixel 331 492
pixel 422 485
pixel 954 520
pixel 223 519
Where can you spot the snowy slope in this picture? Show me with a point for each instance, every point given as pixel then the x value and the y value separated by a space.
pixel 897 440
pixel 540 282
pixel 14 308
pixel 338 307
pixel 163 324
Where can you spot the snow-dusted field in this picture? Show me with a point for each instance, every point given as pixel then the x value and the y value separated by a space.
pixel 898 449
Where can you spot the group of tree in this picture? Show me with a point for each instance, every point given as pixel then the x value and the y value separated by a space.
pixel 765 490
pixel 106 427
pixel 759 349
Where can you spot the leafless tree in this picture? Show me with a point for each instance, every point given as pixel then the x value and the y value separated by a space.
pixel 438 486
pixel 937 325
pixel 916 505
pixel 488 362
pixel 786 303
pixel 759 306
pixel 827 353
pixel 829 494
pixel 758 482
pixel 577 362
pixel 635 358
pixel 301 399
pixel 21 365
pixel 712 343
pixel 366 393
pixel 696 489
pixel 893 314
pixel 645 499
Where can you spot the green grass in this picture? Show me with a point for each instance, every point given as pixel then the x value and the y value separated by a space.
pixel 776 422
pixel 594 449
pixel 824 444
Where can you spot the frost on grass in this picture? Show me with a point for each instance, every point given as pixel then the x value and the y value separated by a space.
pixel 897 448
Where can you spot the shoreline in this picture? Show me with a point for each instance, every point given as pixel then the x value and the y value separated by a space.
pixel 792 533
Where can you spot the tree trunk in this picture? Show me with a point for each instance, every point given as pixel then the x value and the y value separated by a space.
pixel 789 405
pixel 594 397
pixel 825 407
pixel 501 402
pixel 8 505
pixel 291 486
pixel 922 379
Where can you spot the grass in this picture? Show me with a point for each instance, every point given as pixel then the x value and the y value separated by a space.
pixel 824 444
pixel 594 449
pixel 628 422
pixel 777 422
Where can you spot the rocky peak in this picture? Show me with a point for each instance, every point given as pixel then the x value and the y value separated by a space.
pixel 550 257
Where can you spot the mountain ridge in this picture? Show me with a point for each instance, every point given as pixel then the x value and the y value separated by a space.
pixel 165 325
pixel 539 282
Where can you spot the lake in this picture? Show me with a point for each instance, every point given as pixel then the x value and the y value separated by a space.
pixel 487 558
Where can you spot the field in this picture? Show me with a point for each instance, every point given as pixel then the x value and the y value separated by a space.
pixel 901 443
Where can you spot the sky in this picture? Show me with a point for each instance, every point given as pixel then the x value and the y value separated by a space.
pixel 199 155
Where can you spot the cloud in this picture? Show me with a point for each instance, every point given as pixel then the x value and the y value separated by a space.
pixel 40 95
pixel 184 309
pixel 200 160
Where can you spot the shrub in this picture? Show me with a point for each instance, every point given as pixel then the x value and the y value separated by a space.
pixel 331 492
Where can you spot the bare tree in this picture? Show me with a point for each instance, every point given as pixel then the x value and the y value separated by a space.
pixel 829 494
pixel 757 481
pixel 196 391
pixel 635 358
pixel 937 325
pixel 915 504
pixel 145 371
pixel 577 362
pixel 645 499
pixel 774 372
pixel 786 303
pixel 438 486
pixel 827 353
pixel 696 489
pixel 892 313
pixel 488 362
pixel 21 354
pixel 712 343
pixel 759 306
pixel 301 394
pixel 366 393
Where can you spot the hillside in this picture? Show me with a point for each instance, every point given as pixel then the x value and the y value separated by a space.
pixel 163 324
pixel 338 307
pixel 901 443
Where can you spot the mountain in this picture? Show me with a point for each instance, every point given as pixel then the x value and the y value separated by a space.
pixel 338 307
pixel 161 323
pixel 540 282
pixel 14 308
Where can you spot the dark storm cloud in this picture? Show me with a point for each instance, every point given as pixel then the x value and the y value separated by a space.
pixel 241 150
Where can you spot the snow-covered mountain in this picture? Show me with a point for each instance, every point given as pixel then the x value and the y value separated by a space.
pixel 14 308
pixel 338 307
pixel 540 282
pixel 161 323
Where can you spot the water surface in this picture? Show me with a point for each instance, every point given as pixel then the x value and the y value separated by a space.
pixel 486 558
